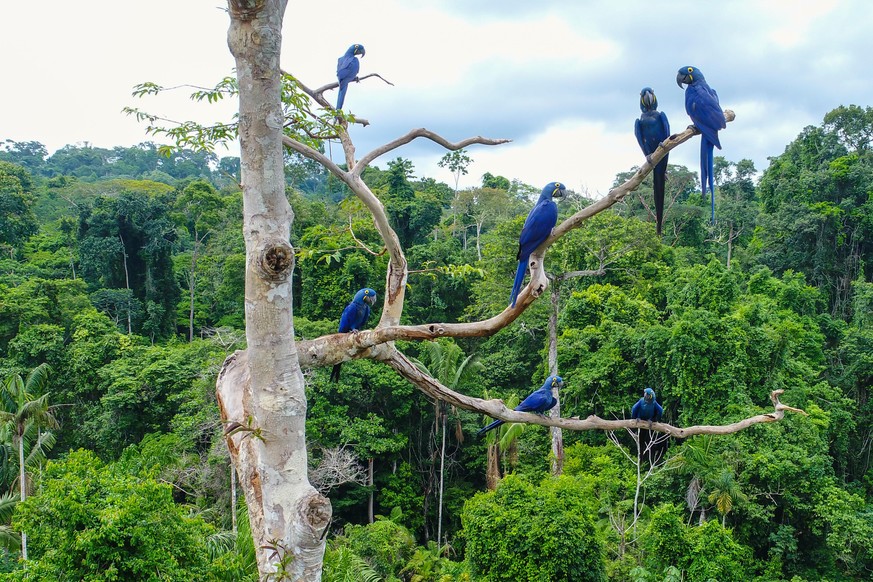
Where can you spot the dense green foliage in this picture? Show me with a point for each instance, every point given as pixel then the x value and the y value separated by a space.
pixel 89 522
pixel 121 271
pixel 541 532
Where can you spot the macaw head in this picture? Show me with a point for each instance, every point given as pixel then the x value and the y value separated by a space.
pixel 356 49
pixel 554 381
pixel 366 295
pixel 649 394
pixel 688 75
pixel 553 190
pixel 648 101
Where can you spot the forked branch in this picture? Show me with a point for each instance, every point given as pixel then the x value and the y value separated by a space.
pixel 314 352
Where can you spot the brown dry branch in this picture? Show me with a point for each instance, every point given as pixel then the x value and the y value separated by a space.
pixel 378 344
pixel 496 409
pixel 317 95
pixel 317 352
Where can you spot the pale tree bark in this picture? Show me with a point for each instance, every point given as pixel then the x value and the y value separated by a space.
pixel 261 391
pixel 555 412
pixel 22 486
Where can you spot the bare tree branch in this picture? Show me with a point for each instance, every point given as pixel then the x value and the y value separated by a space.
pixel 335 85
pixel 317 95
pixel 338 466
pixel 375 343
pixel 496 409
pixel 425 133
pixel 387 330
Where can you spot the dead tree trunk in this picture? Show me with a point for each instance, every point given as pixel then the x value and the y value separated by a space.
pixel 261 391
pixel 555 412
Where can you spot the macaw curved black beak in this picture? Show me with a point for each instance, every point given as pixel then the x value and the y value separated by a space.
pixel 371 299
pixel 363 52
pixel 558 193
pixel 682 78
pixel 648 99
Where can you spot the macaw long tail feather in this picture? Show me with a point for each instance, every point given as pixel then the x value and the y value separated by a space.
pixel 335 373
pixel 494 424
pixel 519 280
pixel 341 97
pixel 706 168
pixel 709 160
pixel 660 178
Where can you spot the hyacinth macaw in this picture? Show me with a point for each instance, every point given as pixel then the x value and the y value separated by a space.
pixel 347 67
pixel 539 401
pixel 537 228
pixel 701 104
pixel 647 408
pixel 354 317
pixel 651 129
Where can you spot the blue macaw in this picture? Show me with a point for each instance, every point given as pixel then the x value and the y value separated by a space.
pixel 651 129
pixel 347 67
pixel 537 228
pixel 647 408
pixel 701 103
pixel 354 317
pixel 539 401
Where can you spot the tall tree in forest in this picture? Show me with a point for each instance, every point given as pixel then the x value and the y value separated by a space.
pixel 457 162
pixel 26 409
pixel 198 210
pixel 17 221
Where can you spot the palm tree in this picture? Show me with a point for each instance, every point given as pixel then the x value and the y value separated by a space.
pixel 725 492
pixel 503 438
pixel 699 461
pixel 26 414
pixel 445 361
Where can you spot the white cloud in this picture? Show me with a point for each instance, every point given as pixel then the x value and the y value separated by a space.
pixel 560 78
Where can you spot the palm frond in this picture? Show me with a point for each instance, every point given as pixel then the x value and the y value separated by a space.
pixel 8 501
pixel 9 538
pixel 37 379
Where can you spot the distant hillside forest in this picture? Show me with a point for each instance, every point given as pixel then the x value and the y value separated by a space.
pixel 122 292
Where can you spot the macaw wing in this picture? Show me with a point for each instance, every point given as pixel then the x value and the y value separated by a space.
pixel 665 127
pixel 348 318
pixel 638 131
pixel 538 226
pixel 635 411
pixel 551 404
pixel 659 411
pixel 347 68
pixel 705 112
pixel 535 402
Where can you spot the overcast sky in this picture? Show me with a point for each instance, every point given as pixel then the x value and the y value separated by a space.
pixel 559 78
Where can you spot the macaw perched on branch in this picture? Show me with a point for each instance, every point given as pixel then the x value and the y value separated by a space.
pixel 537 228
pixel 347 67
pixel 539 401
pixel 354 317
pixel 651 129
pixel 647 408
pixel 701 104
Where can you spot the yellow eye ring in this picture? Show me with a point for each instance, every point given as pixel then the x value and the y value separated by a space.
pixel 690 69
